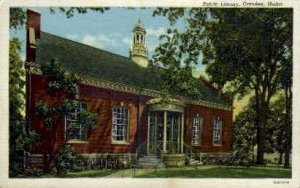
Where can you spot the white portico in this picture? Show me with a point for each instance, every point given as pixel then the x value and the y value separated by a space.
pixel 165 126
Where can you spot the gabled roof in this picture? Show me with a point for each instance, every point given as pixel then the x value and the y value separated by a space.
pixel 92 62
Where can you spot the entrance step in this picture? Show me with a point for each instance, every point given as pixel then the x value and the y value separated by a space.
pixel 149 161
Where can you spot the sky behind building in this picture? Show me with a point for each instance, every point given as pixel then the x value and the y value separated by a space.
pixel 111 30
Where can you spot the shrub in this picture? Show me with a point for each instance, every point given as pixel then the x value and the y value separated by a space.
pixel 65 160
pixel 231 161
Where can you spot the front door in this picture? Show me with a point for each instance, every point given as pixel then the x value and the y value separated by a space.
pixel 156 131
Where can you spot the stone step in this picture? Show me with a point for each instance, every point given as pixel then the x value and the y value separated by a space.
pixel 148 162
pixel 150 157
pixel 157 165
pixel 142 159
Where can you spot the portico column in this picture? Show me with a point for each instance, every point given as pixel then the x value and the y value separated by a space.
pixel 178 133
pixel 165 133
pixel 182 130
pixel 148 135
pixel 155 133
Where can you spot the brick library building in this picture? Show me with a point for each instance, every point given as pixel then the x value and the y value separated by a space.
pixel 134 125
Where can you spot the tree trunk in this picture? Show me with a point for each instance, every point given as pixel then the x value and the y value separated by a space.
pixel 280 158
pixel 288 128
pixel 262 114
pixel 260 146
pixel 259 153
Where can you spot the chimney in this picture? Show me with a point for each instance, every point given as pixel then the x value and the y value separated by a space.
pixel 33 28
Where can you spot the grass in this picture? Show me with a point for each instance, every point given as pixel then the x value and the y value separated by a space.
pixel 85 173
pixel 208 171
pixel 219 172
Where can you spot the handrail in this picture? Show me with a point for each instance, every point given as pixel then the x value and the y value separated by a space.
pixel 139 149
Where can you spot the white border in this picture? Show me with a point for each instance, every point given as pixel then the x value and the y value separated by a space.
pixel 105 182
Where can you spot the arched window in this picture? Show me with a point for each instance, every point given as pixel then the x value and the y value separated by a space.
pixel 217 131
pixel 197 130
pixel 139 38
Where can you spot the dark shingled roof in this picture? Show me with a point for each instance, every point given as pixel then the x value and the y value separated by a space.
pixel 92 62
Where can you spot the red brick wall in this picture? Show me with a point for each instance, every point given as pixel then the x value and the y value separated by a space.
pixel 98 100
pixel 101 101
pixel 52 138
pixel 208 115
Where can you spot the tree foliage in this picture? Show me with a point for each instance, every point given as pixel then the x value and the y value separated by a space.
pixel 245 49
pixel 65 159
pixel 20 139
pixel 245 130
pixel 244 134
pixel 66 87
pixel 67 83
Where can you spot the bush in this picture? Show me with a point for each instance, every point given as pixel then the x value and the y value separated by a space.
pixel 65 160
pixel 231 161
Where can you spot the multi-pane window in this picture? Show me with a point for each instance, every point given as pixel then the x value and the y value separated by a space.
pixel 75 130
pixel 217 131
pixel 197 130
pixel 120 124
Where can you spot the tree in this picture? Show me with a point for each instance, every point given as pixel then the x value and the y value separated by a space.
pixel 65 160
pixel 20 139
pixel 64 84
pixel 286 82
pixel 244 49
pixel 278 118
pixel 244 132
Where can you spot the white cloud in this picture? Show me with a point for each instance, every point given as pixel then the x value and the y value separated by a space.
pixel 126 41
pixel 155 32
pixel 102 40
pixel 91 40
pixel 117 42
pixel 105 38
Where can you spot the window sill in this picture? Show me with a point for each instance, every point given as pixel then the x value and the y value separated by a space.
pixel 120 143
pixel 77 142
pixel 217 145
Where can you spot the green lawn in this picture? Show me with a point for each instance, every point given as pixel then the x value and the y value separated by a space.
pixel 219 172
pixel 184 172
pixel 85 173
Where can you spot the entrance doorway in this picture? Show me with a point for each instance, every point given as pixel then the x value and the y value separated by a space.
pixel 164 132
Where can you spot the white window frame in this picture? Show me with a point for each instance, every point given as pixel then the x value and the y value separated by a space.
pixel 217 131
pixel 120 125
pixel 197 128
pixel 73 119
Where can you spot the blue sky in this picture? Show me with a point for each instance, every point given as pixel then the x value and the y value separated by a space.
pixel 111 31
